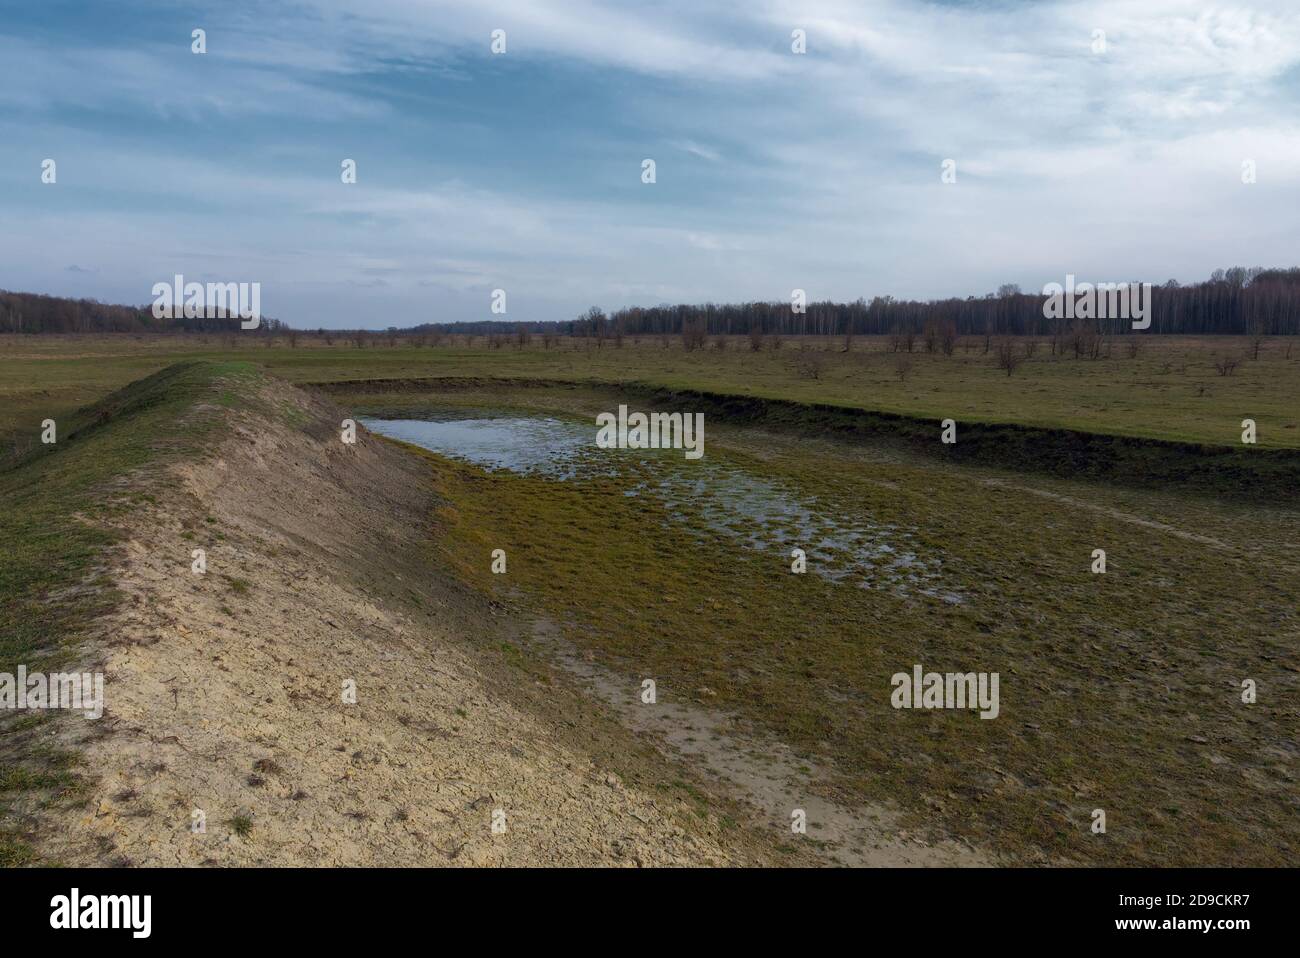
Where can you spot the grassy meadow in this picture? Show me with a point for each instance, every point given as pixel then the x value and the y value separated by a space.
pixel 1170 389
pixel 1119 691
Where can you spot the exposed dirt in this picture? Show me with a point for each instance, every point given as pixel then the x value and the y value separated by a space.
pixel 771 778
pixel 225 690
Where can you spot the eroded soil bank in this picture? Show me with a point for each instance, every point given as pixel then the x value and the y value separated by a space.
pixel 226 689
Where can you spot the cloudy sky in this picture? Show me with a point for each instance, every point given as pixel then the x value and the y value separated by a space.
pixel 523 171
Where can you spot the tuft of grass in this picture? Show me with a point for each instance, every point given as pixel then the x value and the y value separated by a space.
pixel 241 825
pixel 14 851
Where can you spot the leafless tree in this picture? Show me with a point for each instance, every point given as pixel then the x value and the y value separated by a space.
pixel 930 335
pixel 810 364
pixel 1008 359
pixel 948 337
pixel 1258 329
pixel 1226 365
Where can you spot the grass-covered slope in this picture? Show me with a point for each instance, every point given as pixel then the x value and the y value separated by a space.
pixel 222 690
pixel 53 533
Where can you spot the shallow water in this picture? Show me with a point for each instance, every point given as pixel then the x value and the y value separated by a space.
pixel 710 496
pixel 539 444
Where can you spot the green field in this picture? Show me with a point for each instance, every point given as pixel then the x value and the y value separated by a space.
pixel 1169 390
pixel 1120 691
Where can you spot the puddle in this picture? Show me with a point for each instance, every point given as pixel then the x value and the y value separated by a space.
pixel 539 444
pixel 709 497
pixel 764 517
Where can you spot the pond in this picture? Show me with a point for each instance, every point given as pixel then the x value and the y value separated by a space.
pixel 712 496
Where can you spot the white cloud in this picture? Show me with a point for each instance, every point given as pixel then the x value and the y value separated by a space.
pixel 693 148
pixel 823 168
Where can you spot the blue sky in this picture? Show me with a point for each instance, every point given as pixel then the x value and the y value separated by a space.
pixel 522 171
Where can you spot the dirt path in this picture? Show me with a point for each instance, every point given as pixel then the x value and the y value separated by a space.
pixel 1111 513
pixel 772 780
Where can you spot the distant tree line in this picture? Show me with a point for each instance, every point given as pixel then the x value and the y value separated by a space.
pixel 36 313
pixel 1237 301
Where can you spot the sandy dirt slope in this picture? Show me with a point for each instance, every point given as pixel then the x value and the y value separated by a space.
pixel 225 689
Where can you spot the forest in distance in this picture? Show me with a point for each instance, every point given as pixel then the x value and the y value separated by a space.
pixel 1232 302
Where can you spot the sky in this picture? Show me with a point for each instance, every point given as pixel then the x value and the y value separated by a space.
pixel 1113 156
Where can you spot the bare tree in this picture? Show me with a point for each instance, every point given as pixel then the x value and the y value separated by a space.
pixel 1008 359
pixel 694 335
pixel 930 335
pixel 810 364
pixel 1258 330
pixel 1226 365
pixel 948 337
